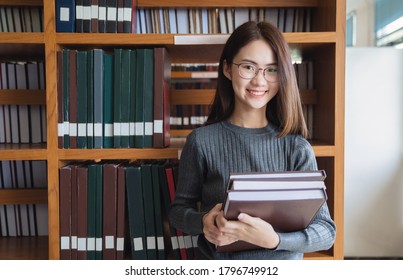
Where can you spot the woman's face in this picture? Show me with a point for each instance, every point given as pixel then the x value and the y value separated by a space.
pixel 253 93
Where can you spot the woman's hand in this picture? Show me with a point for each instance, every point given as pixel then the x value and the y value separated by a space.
pixel 210 229
pixel 250 229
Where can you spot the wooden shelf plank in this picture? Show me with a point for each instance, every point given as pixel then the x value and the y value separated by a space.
pixel 24 248
pixel 112 39
pixel 24 196
pixel 22 37
pixel 23 152
pixel 23 97
pixel 324 150
pixel 319 256
pixel 180 132
pixel 310 37
pixel 99 154
pixel 194 75
pixel 233 3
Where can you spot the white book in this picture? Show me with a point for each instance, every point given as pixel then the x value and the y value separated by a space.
pixel 10 22
pixel 173 28
pixel 230 20
pixel 289 20
pixel 281 19
pixel 17 19
pixel 36 19
pixel 204 21
pixel 271 15
pixel 3 19
pixel 275 185
pixel 161 21
pixel 198 23
pixel 201 39
pixel 149 22
pixel 302 75
pixel 138 24
pixel 241 16
pixel 142 21
pixel 254 14
pixel 285 176
pixel 222 18
pixel 182 20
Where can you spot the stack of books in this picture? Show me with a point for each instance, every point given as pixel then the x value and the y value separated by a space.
pixel 286 200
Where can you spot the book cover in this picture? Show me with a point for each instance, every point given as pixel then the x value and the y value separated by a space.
pixel 91 211
pixel 117 97
pixel 65 15
pixel 108 101
pixel 102 16
pixel 65 212
pixel 86 16
pixel 162 77
pixel 125 99
pixel 94 16
pixel 287 200
pixel 81 100
pixel 121 213
pixel 72 95
pixel 148 95
pixel 63 129
pixel 79 16
pixel 149 211
pixel 74 212
pixel 169 173
pixel 159 226
pixel 135 212
pixel 140 104
pixel 111 16
pixel 82 218
pixel 132 112
pixel 166 202
pixel 23 110
pixel 35 110
pixel 110 179
pixel 98 210
pixel 98 97
pixel 90 99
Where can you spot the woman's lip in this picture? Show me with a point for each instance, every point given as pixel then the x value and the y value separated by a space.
pixel 257 92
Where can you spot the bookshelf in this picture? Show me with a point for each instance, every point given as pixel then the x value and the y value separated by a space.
pixel 324 45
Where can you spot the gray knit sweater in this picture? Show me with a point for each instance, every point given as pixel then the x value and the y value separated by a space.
pixel 211 153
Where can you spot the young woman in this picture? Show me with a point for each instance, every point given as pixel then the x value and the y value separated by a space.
pixel 256 124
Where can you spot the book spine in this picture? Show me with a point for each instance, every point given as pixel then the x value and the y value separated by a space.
pixel 65 15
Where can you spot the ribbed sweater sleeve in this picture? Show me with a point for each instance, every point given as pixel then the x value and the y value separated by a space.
pixel 212 152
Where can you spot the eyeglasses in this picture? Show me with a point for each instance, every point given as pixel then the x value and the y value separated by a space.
pixel 250 71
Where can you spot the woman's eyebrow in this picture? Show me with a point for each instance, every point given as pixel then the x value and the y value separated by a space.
pixel 257 64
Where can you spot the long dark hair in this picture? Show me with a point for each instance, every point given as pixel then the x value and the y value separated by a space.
pixel 285 109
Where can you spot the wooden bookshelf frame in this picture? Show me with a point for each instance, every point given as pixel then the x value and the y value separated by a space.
pixel 326 43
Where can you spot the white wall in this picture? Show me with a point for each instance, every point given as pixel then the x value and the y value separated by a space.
pixel 364 10
pixel 374 153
